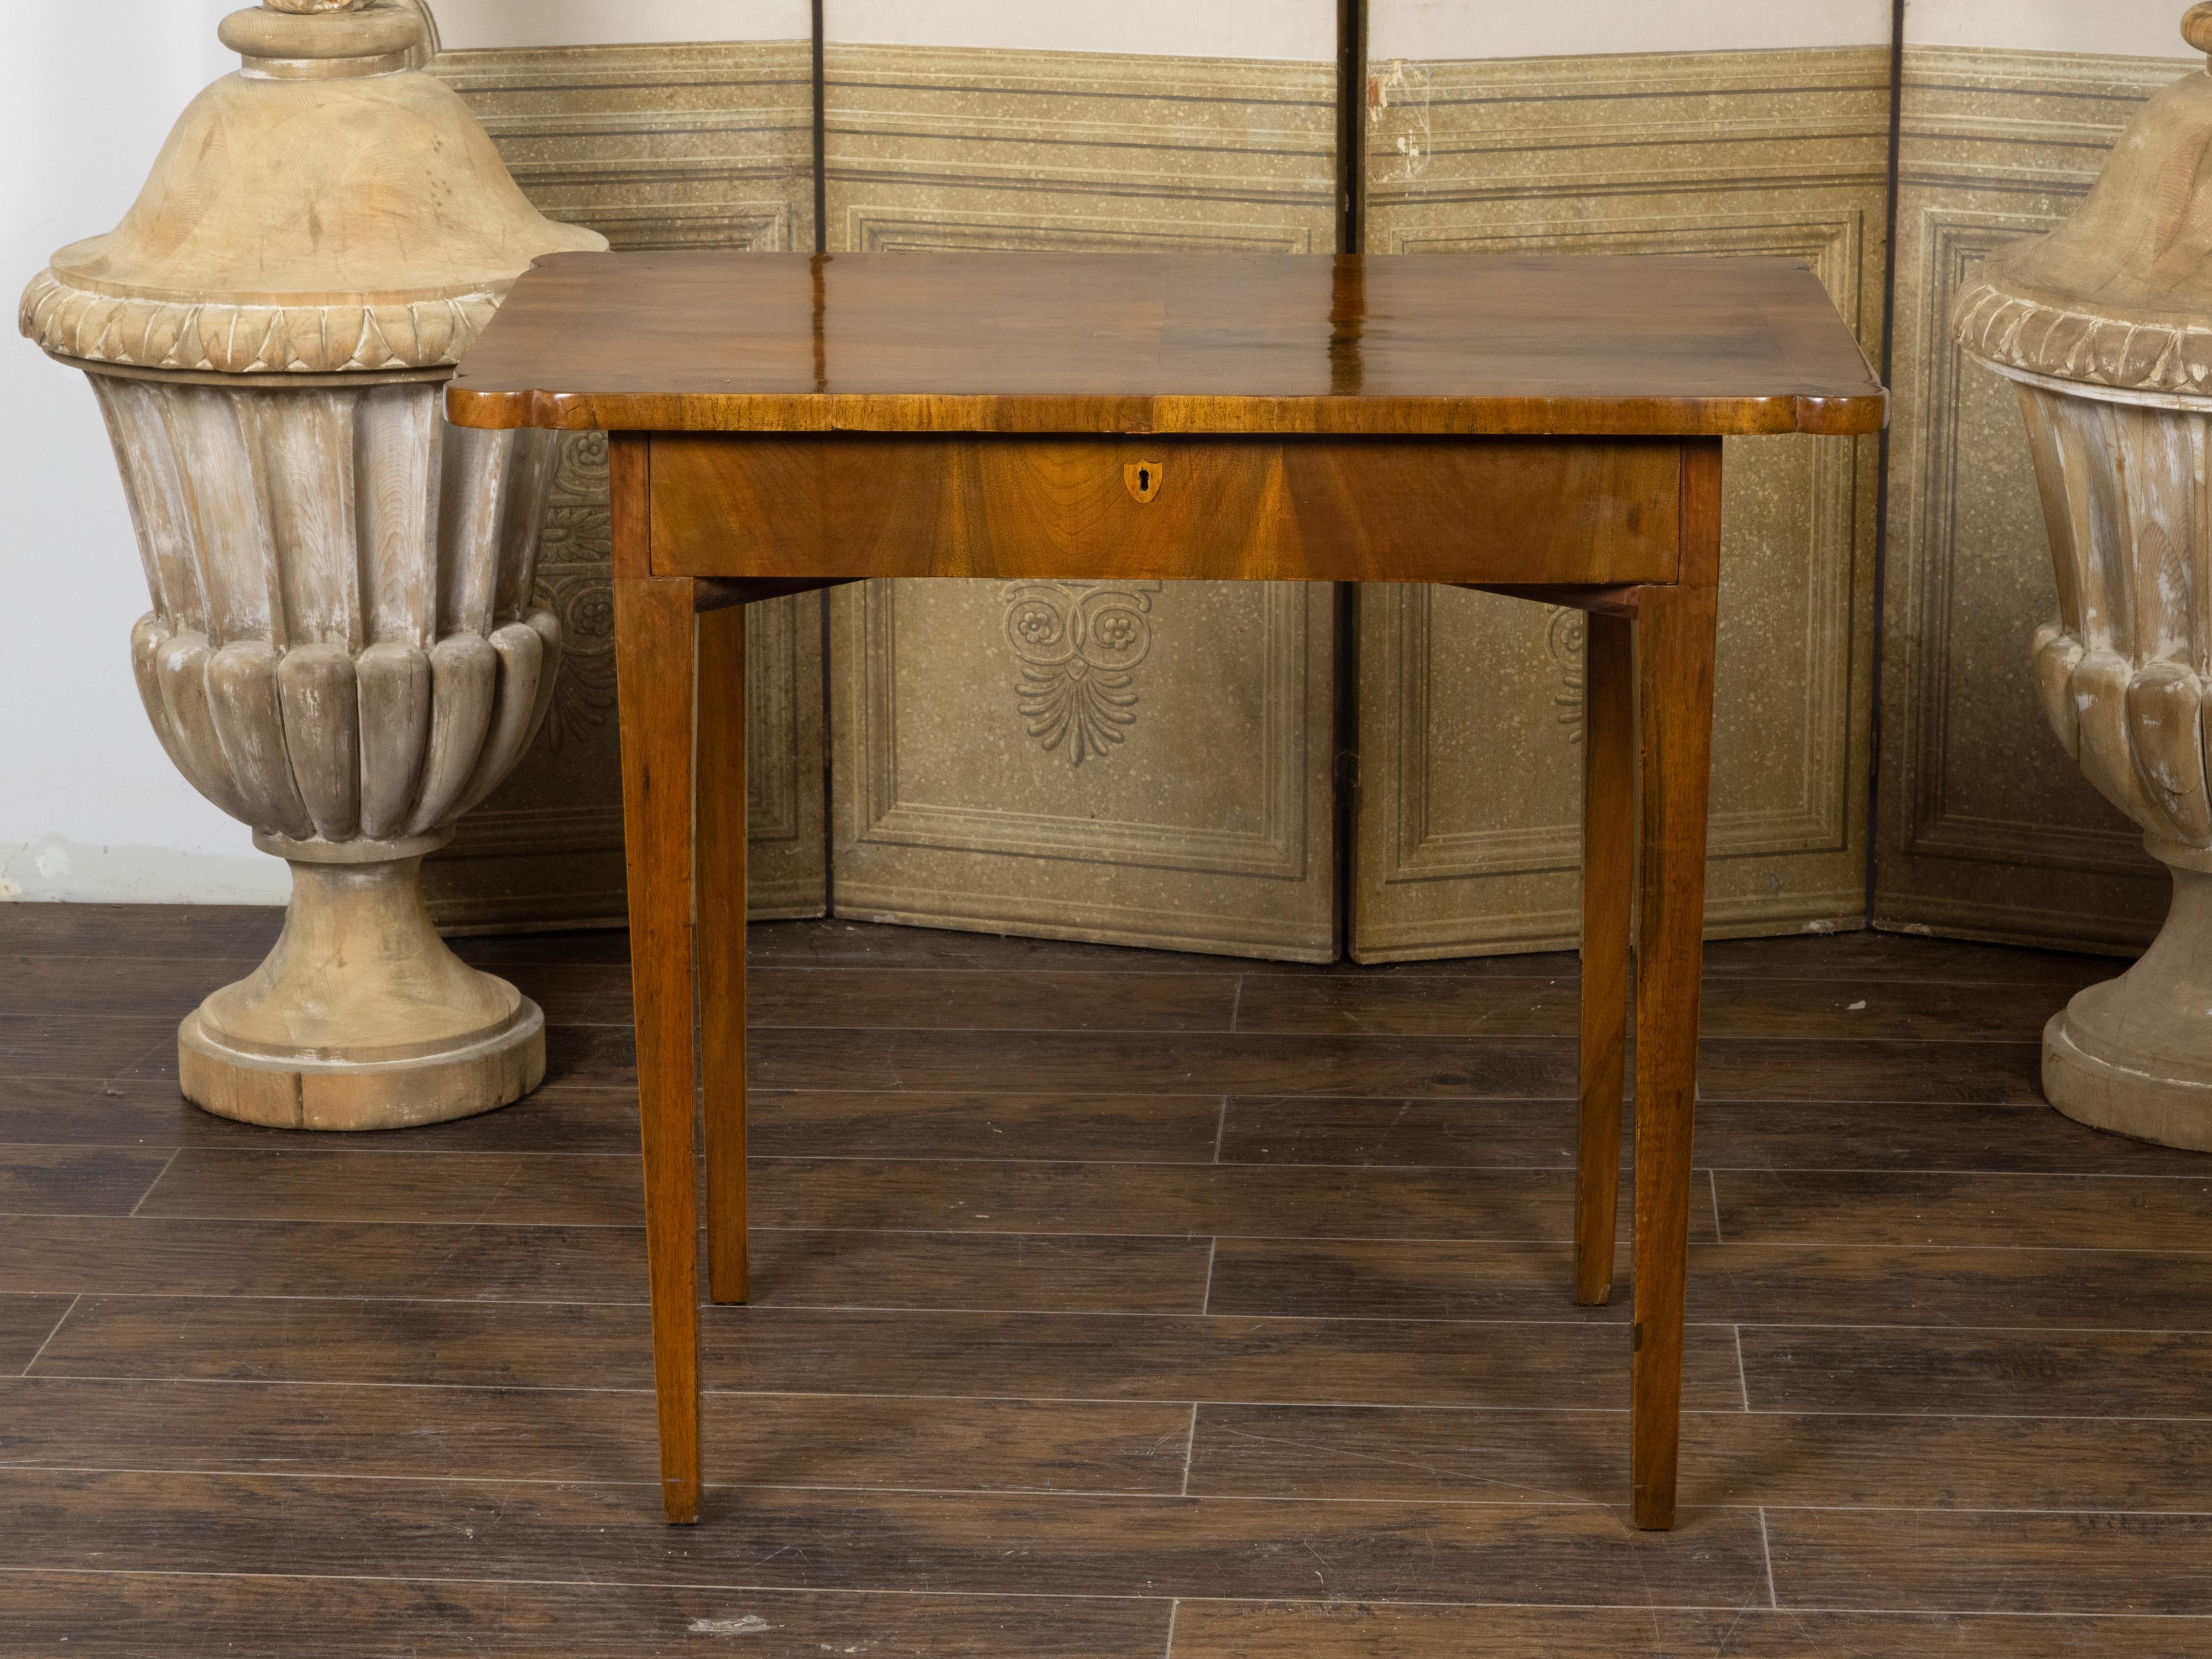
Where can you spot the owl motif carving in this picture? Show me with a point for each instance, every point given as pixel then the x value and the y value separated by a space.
pixel 1077 648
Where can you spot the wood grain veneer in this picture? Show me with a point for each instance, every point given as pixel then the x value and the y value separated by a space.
pixel 714 340
pixel 1303 509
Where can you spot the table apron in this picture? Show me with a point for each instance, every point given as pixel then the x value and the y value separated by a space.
pixel 1489 509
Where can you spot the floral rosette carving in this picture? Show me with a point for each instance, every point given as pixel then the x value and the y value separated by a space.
pixel 1076 647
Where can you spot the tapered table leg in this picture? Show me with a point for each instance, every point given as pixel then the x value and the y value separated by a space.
pixel 1674 664
pixel 1608 883
pixel 721 873
pixel 654 661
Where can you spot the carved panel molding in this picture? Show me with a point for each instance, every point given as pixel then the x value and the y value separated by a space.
pixel 1145 763
pixel 1988 827
pixel 1469 776
pixel 658 146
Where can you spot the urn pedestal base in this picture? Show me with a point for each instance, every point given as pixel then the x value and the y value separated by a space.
pixel 360 1017
pixel 2134 1055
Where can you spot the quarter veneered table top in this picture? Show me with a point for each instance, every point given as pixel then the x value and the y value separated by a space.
pixel 1167 343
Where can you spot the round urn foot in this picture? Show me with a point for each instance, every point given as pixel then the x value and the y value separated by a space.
pixel 360 1017
pixel 348 1094
pixel 2134 1055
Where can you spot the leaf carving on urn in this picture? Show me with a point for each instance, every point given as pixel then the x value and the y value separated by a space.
pixel 1077 648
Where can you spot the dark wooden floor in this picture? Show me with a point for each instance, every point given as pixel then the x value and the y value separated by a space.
pixel 1109 1303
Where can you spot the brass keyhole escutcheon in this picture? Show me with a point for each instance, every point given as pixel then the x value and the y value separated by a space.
pixel 1143 478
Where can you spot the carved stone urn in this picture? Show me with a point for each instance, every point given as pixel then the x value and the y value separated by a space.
pixel 344 651
pixel 2105 326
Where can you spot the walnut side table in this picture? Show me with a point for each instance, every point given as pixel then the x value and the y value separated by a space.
pixel 1544 427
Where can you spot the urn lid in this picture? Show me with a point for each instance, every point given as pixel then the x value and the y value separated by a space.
pixel 329 207
pixel 2120 293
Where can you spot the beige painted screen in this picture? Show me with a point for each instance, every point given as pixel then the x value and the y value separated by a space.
pixel 1987 829
pixel 1764 130
pixel 620 118
pixel 1147 765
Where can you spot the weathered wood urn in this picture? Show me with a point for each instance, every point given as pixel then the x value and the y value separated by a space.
pixel 2104 325
pixel 343 651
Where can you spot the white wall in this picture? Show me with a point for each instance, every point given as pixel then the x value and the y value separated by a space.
pixel 1538 28
pixel 465 23
pixel 1438 29
pixel 1299 30
pixel 90 807
pixel 2125 28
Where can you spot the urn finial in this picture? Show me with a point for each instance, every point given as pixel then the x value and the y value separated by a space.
pixel 329 207
pixel 2118 294
pixel 325 40
pixel 2197 27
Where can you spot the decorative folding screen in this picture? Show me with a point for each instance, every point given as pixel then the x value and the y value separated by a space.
pixel 1148 764
pixel 656 143
pixel 1470 705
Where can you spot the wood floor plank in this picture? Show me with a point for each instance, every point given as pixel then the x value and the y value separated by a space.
pixel 139 930
pixel 27 1320
pixel 1165 1063
pixel 88 1111
pixel 2074 1212
pixel 1044 1544
pixel 1028 1356
pixel 902 1194
pixel 169 987
pixel 353 1617
pixel 76 1179
pixel 1330 1453
pixel 1867 954
pixel 1166 1128
pixel 573 992
pixel 989 999
pixel 158 1256
pixel 1740 1135
pixel 1729 1284
pixel 141 1255
pixel 1180 1063
pixel 1869 1073
pixel 1425 1067
pixel 496 953
pixel 591 1434
pixel 1245 1629
pixel 131 1112
pixel 2116 1374
pixel 1438 1006
pixel 1861 954
pixel 147 986
pixel 1107 1128
pixel 1732 1006
pixel 87 1045
pixel 2004 1562
pixel 1404 1279
pixel 1258 1128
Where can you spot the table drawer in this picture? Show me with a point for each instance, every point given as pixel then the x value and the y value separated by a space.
pixel 1534 510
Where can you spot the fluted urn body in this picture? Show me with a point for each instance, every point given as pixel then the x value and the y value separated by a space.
pixel 2104 325
pixel 344 651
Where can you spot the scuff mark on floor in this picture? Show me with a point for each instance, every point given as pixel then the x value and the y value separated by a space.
pixel 751 1624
